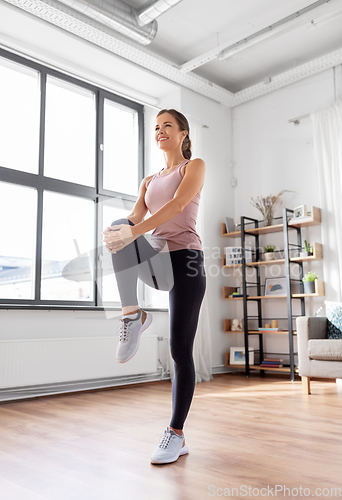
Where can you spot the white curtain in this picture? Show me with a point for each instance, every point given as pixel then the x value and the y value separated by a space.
pixel 202 346
pixel 327 137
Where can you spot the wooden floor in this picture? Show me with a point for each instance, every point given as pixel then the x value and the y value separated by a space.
pixel 255 432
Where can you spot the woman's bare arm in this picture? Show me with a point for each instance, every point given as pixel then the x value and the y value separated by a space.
pixel 140 209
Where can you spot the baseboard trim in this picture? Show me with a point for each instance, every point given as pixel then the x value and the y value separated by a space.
pixel 36 391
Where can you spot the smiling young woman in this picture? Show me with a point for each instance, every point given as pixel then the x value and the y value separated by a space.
pixel 172 260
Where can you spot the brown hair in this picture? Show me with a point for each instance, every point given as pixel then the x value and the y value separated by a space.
pixel 183 125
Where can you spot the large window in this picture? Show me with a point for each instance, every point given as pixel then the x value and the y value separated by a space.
pixel 71 161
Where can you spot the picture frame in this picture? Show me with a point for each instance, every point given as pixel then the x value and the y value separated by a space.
pixel 275 286
pixel 300 211
pixel 230 225
pixel 237 356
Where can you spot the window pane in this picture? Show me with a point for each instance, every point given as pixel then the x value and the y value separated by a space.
pixel 68 229
pixel 120 156
pixel 70 133
pixel 156 298
pixel 18 209
pixel 19 117
pixel 110 292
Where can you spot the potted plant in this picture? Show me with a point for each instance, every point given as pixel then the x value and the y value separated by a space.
pixel 309 282
pixel 269 252
pixel 308 250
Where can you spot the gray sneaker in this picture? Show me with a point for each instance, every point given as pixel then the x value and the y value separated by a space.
pixel 170 448
pixel 130 331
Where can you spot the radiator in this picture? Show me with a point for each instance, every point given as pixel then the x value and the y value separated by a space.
pixel 34 362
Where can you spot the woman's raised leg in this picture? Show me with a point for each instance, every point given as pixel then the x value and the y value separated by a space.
pixel 137 260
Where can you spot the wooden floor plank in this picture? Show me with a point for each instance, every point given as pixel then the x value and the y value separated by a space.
pixel 257 432
pixel 11 491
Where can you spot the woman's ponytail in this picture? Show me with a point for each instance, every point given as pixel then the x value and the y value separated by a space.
pixel 186 148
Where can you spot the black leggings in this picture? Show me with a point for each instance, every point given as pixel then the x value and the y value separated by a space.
pixel 181 272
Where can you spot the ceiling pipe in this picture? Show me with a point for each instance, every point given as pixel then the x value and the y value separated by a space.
pixel 140 26
pixel 154 9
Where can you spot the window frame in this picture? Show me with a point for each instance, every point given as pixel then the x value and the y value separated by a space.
pixel 42 183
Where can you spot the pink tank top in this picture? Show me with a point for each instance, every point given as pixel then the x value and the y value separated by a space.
pixel 179 232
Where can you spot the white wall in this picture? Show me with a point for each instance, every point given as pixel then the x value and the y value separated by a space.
pixel 271 155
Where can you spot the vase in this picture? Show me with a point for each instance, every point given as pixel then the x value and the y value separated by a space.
pixel 268 256
pixel 268 219
pixel 309 286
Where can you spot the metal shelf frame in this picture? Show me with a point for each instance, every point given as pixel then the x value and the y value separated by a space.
pixel 246 222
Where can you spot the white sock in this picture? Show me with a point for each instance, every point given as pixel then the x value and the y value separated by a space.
pixel 132 316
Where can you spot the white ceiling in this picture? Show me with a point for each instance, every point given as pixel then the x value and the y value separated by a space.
pixel 196 30
pixel 195 27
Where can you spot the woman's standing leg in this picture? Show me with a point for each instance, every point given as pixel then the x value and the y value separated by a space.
pixel 186 299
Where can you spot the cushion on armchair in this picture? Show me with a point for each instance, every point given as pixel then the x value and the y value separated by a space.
pixel 326 350
pixel 334 317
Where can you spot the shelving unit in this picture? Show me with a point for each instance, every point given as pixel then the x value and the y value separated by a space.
pixel 287 261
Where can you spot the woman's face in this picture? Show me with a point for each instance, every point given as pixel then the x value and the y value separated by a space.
pixel 167 133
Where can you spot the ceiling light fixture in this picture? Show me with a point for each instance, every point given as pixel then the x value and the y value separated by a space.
pixel 270 31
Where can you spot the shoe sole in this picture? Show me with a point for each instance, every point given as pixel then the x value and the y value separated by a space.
pixel 145 325
pixel 183 451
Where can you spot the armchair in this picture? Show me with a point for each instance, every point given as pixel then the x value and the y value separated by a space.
pixel 317 356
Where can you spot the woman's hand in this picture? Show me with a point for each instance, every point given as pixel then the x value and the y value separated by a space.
pixel 117 237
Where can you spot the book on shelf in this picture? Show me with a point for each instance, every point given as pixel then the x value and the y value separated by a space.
pixel 270 329
pixel 271 363
pixel 300 219
pixel 273 360
pixel 268 365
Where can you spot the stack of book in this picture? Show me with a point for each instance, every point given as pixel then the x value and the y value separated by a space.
pixel 272 363
pixel 236 295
